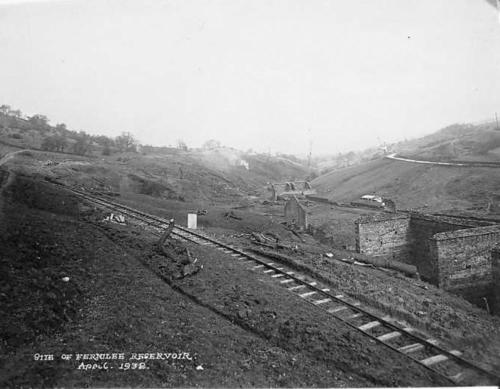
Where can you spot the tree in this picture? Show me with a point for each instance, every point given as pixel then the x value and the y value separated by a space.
pixel 5 109
pixel 83 143
pixel 181 145
pixel 16 113
pixel 54 143
pixel 48 144
pixel 126 142
pixel 61 127
pixel 39 121
pixel 105 142
pixel 211 144
pixel 60 142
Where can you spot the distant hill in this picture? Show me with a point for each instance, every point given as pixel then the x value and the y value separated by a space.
pixel 431 187
pixel 480 142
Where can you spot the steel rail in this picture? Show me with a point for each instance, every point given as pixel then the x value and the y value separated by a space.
pixel 270 266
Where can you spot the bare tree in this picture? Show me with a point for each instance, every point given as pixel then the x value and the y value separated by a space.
pixel 211 144
pixel 126 142
pixel 181 145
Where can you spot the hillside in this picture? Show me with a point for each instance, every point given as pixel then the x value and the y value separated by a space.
pixel 416 186
pixel 431 187
pixel 479 142
pixel 457 142
pixel 121 164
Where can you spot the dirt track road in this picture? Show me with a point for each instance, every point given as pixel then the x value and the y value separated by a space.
pixel 464 163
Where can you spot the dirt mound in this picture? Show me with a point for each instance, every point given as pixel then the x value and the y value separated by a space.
pixel 41 195
pixel 149 187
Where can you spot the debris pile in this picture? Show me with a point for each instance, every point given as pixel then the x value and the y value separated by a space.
pixel 181 263
pixel 115 218
pixel 232 215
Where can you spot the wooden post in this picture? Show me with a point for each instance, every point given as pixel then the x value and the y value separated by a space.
pixel 166 234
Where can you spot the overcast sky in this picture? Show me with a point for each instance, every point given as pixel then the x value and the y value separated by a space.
pixel 261 74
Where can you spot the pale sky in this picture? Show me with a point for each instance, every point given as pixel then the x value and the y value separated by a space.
pixel 261 74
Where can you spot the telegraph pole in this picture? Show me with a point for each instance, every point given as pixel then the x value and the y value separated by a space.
pixel 309 157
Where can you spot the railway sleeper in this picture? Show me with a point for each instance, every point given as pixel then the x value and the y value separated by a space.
pixel 370 325
pixel 322 301
pixel 438 358
pixel 414 347
pixel 389 336
pixel 354 316
pixel 307 294
pixel 337 309
pixel 296 287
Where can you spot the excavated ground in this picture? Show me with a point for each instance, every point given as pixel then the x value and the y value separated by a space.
pixel 76 286
pixel 240 330
pixel 440 314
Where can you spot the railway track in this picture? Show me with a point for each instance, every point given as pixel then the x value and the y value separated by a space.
pixel 406 341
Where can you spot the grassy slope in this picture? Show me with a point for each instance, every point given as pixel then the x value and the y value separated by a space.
pixel 459 141
pixel 413 185
pixel 207 176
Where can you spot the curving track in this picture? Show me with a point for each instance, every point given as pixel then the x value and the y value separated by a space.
pixel 492 164
pixel 407 342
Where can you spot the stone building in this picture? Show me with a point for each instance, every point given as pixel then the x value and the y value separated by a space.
pixel 295 213
pixel 452 253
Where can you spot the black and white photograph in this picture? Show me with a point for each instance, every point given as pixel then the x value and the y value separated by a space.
pixel 249 193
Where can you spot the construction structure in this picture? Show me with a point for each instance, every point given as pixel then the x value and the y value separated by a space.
pixel 296 214
pixel 285 190
pixel 452 253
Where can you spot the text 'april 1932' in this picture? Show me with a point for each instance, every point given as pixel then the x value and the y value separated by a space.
pixel 109 361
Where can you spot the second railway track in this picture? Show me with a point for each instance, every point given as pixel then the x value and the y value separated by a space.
pixel 406 341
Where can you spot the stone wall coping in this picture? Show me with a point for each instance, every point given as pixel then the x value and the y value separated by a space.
pixel 443 219
pixel 466 233
pixel 382 217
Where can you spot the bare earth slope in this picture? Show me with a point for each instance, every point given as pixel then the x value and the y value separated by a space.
pixel 414 185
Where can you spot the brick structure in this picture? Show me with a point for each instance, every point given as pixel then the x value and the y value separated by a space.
pixel 384 235
pixel 451 253
pixel 295 213
pixel 423 228
pixel 464 260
